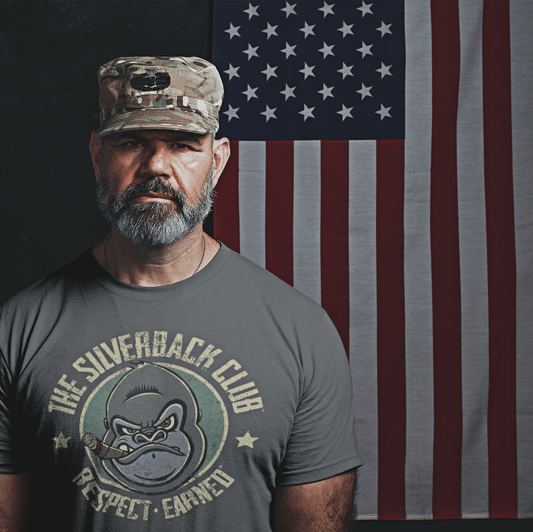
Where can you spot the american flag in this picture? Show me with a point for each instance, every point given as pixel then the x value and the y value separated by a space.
pixel 381 164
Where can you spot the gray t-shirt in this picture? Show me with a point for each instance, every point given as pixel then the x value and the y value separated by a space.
pixel 173 407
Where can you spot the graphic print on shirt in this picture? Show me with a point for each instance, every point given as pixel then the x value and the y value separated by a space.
pixel 153 412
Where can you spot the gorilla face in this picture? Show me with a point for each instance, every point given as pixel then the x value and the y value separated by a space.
pixel 153 416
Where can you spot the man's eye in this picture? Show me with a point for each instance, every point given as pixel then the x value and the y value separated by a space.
pixel 133 144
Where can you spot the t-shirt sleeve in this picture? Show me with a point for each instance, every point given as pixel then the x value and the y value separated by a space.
pixel 322 443
pixel 7 458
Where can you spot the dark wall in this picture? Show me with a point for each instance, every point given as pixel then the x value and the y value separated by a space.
pixel 50 53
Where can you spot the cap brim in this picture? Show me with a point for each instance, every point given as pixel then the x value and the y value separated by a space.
pixel 174 120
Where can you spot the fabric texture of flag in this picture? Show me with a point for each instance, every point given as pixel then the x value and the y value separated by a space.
pixel 381 164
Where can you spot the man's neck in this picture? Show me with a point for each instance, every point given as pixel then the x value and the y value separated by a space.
pixel 159 266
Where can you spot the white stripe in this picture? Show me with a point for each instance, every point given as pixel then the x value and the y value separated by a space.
pixel 306 235
pixel 473 264
pixel 417 263
pixel 522 96
pixel 252 186
pixel 363 317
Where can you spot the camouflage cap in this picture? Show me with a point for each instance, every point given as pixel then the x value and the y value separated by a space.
pixel 177 93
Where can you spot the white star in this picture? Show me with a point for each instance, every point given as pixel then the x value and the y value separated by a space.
pixel 289 9
pixel 232 71
pixel 384 111
pixel 345 70
pixel 365 49
pixel 326 50
pixel 384 70
pixel 288 92
pixel 345 112
pixel 327 9
pixel 307 112
pixel 326 91
pixel 270 30
pixel 269 72
pixel 288 50
pixel 307 71
pixel 250 93
pixel 365 8
pixel 308 30
pixel 61 441
pixel 384 28
pixel 232 113
pixel 364 91
pixel 346 29
pixel 233 31
pixel 251 52
pixel 247 440
pixel 269 113
pixel 252 11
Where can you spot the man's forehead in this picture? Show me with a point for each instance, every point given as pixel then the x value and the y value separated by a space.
pixel 165 134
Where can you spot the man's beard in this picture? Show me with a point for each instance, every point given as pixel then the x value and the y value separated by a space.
pixel 152 223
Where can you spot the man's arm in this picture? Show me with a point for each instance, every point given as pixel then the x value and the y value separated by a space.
pixel 321 506
pixel 14 502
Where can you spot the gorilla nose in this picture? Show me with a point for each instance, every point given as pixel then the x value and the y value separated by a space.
pixel 156 437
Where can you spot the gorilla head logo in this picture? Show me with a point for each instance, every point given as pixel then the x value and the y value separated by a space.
pixel 152 430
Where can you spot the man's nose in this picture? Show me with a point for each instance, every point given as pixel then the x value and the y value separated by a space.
pixel 156 162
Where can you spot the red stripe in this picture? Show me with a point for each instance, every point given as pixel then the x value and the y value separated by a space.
pixel 226 206
pixel 391 329
pixel 334 254
pixel 279 209
pixel 501 260
pixel 448 423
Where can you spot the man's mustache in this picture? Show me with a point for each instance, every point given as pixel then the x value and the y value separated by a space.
pixel 155 185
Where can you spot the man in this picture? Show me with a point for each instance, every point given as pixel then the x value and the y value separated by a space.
pixel 161 381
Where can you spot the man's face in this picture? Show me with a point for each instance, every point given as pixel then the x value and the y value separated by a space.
pixel 155 186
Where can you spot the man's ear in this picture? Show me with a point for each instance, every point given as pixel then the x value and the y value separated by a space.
pixel 94 147
pixel 221 153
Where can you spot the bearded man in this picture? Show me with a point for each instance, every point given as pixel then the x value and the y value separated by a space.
pixel 161 381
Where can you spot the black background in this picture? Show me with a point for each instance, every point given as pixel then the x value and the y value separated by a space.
pixel 50 52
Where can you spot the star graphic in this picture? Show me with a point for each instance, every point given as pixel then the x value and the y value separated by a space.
pixel 289 9
pixel 250 93
pixel 247 440
pixel 270 72
pixel 307 112
pixel 307 71
pixel 252 11
pixel 326 91
pixel 345 70
pixel 288 92
pixel 384 111
pixel 269 113
pixel 288 50
pixel 232 71
pixel 233 31
pixel 251 52
pixel 61 441
pixel 326 50
pixel 346 30
pixel 365 8
pixel 327 9
pixel 270 30
pixel 308 30
pixel 365 49
pixel 384 28
pixel 384 70
pixel 364 91
pixel 345 112
pixel 232 113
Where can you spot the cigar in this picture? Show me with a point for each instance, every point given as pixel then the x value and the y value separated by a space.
pixel 101 449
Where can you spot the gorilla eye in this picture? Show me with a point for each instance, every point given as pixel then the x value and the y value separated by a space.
pixel 128 432
pixel 169 423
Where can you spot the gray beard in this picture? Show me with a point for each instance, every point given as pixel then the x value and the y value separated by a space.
pixel 153 224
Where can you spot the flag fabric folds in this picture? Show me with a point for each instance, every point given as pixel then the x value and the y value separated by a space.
pixel 381 164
